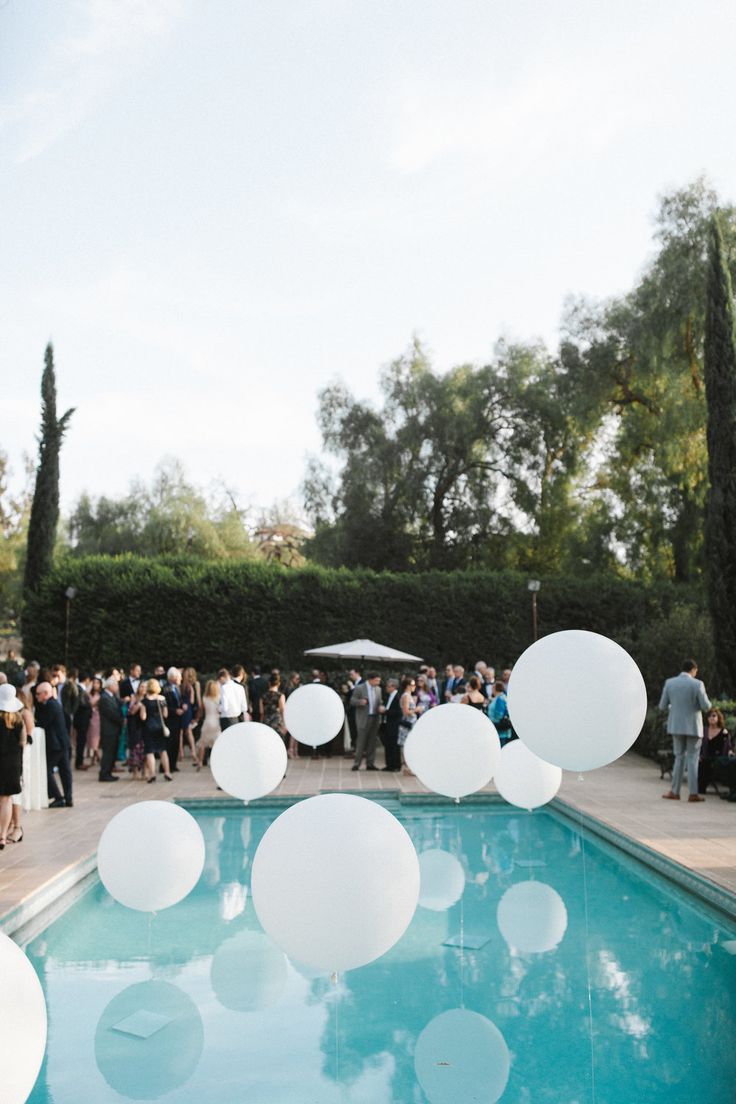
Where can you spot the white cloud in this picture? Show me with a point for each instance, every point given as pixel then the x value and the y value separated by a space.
pixel 81 68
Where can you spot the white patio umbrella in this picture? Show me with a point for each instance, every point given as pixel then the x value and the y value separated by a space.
pixel 364 649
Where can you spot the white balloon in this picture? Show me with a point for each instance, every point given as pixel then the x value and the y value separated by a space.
pixel 577 699
pixel 248 973
pixel 453 749
pixel 151 855
pixel 442 880
pixel 532 917
pixel 248 760
pixel 314 714
pixel 523 779
pixel 24 1024
pixel 335 881
pixel 460 1055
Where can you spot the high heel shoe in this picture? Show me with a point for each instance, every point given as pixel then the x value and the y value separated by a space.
pixel 18 840
pixel 2 844
pixel 168 778
pixel 150 780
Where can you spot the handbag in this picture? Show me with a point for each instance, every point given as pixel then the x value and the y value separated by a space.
pixel 164 729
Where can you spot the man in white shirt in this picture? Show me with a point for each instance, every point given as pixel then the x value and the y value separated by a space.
pixel 231 699
pixel 239 676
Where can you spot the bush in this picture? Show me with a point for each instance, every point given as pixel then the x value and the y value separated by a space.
pixel 211 612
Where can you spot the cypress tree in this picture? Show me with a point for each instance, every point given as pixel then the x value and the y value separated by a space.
pixel 720 518
pixel 45 506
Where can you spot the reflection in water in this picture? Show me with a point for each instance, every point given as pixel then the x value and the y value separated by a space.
pixel 248 972
pixel 149 1040
pixel 441 880
pixel 532 917
pixel 461 1056
pixel 639 964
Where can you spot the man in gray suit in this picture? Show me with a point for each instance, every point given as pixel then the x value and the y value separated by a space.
pixel 685 699
pixel 366 698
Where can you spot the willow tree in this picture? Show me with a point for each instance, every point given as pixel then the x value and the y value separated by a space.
pixel 45 507
pixel 720 518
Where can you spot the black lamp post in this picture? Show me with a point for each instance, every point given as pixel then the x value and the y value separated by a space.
pixel 533 586
pixel 70 594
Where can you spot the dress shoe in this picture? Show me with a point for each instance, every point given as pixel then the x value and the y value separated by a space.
pixel 696 797
pixel 69 804
pixel 355 768
pixel 108 778
pixel 57 803
pixel 370 766
pixel 670 796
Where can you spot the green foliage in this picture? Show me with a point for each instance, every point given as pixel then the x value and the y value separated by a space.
pixel 207 613
pixel 720 527
pixel 169 518
pixel 45 508
pixel 14 513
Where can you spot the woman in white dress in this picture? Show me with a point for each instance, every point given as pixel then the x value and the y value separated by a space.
pixel 211 723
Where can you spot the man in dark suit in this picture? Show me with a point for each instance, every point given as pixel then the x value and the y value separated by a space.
pixel 354 679
pixel 50 716
pixel 82 719
pixel 257 687
pixel 392 716
pixel 111 723
pixel 130 684
pixel 175 706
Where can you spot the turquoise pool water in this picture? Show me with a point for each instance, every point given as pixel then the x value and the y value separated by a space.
pixel 635 1003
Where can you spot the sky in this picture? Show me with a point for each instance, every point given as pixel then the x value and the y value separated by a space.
pixel 216 208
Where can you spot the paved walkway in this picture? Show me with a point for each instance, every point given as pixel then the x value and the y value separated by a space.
pixel 625 795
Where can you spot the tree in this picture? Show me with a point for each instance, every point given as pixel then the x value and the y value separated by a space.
pixel 644 356
pixel 418 477
pixel 45 507
pixel 720 522
pixel 14 512
pixel 169 517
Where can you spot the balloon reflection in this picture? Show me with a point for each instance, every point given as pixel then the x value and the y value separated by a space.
pixel 532 917
pixel 460 1056
pixel 248 973
pixel 441 880
pixel 149 1040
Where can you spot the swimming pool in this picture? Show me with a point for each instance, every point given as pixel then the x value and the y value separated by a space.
pixel 634 999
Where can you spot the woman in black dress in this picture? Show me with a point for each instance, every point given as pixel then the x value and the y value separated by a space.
pixel 12 742
pixel 153 712
pixel 716 743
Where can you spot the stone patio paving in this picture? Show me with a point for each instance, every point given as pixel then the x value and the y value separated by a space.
pixel 624 795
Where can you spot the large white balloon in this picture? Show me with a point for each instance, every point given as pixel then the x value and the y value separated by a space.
pixel 577 699
pixel 532 917
pixel 335 881
pixel 461 1055
pixel 151 855
pixel 248 760
pixel 453 749
pixel 314 714
pixel 24 1024
pixel 442 880
pixel 248 973
pixel 149 1040
pixel 523 779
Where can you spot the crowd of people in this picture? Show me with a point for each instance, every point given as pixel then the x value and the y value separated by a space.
pixel 117 720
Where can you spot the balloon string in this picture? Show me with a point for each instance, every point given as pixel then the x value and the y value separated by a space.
pixel 587 958
pixel 462 953
pixel 337 1034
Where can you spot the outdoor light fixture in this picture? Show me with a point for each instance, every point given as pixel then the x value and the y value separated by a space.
pixel 533 586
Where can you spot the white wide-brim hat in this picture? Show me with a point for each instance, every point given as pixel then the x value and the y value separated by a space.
pixel 8 701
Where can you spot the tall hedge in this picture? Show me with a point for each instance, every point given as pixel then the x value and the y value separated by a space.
pixel 207 613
